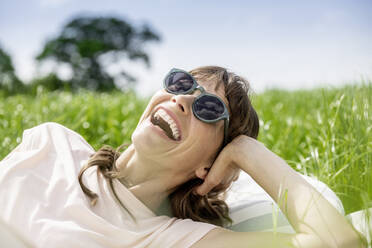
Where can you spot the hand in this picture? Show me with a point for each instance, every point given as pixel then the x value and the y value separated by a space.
pixel 241 152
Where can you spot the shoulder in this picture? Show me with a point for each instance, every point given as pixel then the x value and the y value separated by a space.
pixel 47 128
pixel 53 132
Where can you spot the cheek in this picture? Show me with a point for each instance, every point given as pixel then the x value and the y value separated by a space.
pixel 207 140
pixel 211 133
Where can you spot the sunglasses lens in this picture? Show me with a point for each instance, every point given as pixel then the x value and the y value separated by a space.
pixel 179 82
pixel 208 107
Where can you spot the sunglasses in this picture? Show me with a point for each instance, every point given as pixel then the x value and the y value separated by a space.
pixel 206 107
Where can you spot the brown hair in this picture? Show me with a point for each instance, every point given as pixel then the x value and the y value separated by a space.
pixel 210 208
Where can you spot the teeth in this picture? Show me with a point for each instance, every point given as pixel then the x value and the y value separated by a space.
pixel 170 121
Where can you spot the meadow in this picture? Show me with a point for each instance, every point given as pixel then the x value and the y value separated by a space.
pixel 324 132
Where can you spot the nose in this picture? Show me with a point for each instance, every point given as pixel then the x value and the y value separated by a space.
pixel 183 102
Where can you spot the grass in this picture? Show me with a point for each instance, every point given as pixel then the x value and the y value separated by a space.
pixel 324 132
pixel 100 118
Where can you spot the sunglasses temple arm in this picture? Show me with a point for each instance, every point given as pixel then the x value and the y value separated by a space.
pixel 226 128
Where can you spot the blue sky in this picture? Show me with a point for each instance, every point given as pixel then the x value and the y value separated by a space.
pixel 287 44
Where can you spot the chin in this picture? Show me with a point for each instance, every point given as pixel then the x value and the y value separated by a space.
pixel 146 142
pixel 140 139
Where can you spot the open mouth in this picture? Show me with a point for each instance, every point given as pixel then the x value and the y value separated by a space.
pixel 164 121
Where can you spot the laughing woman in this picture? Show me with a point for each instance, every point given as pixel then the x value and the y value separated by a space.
pixel 191 142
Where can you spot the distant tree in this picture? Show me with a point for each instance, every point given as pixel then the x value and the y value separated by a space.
pixel 50 82
pixel 91 44
pixel 9 82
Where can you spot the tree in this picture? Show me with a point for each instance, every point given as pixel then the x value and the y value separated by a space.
pixel 91 44
pixel 9 82
pixel 50 82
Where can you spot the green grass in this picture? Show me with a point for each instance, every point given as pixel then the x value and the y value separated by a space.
pixel 324 133
pixel 101 118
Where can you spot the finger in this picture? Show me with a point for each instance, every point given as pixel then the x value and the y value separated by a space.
pixel 215 174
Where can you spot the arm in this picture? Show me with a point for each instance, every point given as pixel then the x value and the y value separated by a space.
pixel 316 222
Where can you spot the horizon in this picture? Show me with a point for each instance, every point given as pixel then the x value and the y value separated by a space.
pixel 287 45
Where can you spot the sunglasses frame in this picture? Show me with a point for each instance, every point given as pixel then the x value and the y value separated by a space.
pixel 225 115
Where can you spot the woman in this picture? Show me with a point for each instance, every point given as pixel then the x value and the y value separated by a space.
pixel 190 143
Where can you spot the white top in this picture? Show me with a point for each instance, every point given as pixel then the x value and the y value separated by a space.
pixel 42 202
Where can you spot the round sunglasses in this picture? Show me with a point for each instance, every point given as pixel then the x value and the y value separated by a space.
pixel 206 107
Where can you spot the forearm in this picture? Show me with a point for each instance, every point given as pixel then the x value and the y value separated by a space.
pixel 306 209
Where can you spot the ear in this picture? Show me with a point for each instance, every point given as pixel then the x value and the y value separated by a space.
pixel 202 172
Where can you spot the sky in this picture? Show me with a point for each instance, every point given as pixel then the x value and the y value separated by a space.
pixel 281 44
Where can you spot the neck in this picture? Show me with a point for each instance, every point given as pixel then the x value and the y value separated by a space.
pixel 148 180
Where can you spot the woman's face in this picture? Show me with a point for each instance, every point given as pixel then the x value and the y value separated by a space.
pixel 197 142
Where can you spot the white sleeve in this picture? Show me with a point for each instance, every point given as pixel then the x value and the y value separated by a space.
pixel 38 178
pixel 43 137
